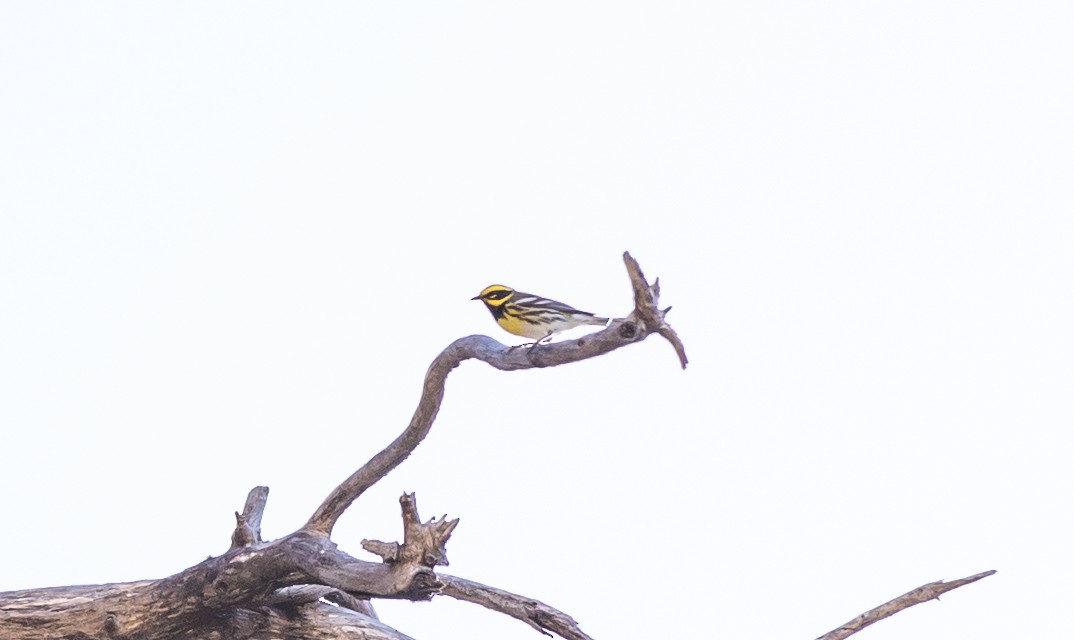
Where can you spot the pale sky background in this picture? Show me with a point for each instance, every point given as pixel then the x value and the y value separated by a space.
pixel 234 235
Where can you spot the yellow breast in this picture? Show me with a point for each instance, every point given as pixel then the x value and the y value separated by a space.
pixel 522 328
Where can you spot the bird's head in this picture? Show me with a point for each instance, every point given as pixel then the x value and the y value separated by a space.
pixel 494 295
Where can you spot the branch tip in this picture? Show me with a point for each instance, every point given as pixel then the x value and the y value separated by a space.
pixel 924 593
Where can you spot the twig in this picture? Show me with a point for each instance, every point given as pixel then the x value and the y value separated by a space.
pixel 536 614
pixel 924 593
pixel 645 320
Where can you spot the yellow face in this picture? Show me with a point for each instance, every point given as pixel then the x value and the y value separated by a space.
pixel 530 316
pixel 496 298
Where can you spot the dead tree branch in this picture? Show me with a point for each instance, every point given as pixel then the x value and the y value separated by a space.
pixel 535 613
pixel 422 543
pixel 280 588
pixel 924 593
pixel 643 321
pixel 310 593
pixel 248 523
pixel 325 622
pixel 274 586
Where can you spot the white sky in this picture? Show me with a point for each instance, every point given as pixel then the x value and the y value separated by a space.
pixel 233 236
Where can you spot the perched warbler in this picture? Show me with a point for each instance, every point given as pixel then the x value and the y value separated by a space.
pixel 530 316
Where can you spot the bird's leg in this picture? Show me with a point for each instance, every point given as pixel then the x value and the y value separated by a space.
pixel 528 345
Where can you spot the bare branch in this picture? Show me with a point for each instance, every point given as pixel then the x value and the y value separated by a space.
pixel 298 595
pixel 316 560
pixel 645 320
pixel 347 601
pixel 301 594
pixel 248 523
pixel 924 593
pixel 388 551
pixel 277 583
pixel 423 544
pixel 536 614
pixel 646 301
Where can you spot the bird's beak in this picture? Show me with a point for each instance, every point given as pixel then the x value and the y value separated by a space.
pixel 476 298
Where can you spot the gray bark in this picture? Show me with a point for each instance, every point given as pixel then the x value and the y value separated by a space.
pixel 284 587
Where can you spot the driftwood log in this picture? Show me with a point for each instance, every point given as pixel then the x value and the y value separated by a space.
pixel 302 586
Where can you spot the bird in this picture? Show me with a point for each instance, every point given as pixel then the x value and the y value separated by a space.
pixel 531 316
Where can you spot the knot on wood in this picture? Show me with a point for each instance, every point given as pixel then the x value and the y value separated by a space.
pixel 111 625
pixel 424 585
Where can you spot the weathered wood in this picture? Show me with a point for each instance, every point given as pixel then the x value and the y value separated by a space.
pixel 225 590
pixel 422 543
pixel 309 593
pixel 535 613
pixel 266 590
pixel 924 593
pixel 276 589
pixel 127 610
pixel 248 523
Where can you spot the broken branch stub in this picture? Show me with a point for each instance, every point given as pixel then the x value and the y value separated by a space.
pixel 423 544
pixel 248 523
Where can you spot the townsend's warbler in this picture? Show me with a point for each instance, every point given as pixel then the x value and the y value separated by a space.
pixel 530 316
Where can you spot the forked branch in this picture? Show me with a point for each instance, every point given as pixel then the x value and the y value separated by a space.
pixel 281 583
pixel 422 543
pixel 275 588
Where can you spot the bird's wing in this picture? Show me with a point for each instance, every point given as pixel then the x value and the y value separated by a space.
pixel 530 300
